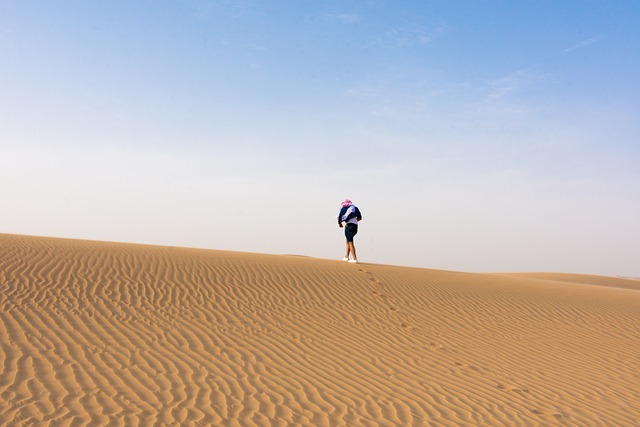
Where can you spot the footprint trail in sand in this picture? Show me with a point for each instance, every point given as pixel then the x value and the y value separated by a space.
pixel 95 333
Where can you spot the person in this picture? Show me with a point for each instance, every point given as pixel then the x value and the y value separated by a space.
pixel 348 217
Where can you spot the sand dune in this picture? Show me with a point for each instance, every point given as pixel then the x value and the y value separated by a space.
pixel 95 333
pixel 583 279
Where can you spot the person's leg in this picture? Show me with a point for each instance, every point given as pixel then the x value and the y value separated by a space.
pixel 350 231
pixel 352 249
pixel 346 257
pixel 349 236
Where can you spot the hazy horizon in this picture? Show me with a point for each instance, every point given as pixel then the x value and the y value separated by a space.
pixel 473 136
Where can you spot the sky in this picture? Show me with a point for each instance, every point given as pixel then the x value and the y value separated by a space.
pixel 479 136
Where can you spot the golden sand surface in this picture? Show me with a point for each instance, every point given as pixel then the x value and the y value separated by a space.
pixel 97 333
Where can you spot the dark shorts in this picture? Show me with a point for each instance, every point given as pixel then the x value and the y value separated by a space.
pixel 350 230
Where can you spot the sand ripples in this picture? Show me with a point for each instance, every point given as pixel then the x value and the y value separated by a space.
pixel 112 334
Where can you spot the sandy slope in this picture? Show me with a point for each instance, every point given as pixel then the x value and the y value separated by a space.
pixel 583 279
pixel 115 334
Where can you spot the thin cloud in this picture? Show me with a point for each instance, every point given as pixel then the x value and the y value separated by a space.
pixel 503 86
pixel 212 8
pixel 501 99
pixel 410 35
pixel 583 43
pixel 344 18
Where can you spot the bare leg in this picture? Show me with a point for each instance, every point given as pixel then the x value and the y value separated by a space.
pixel 352 248
pixel 348 251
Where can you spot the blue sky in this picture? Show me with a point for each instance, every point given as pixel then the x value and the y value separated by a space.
pixel 474 136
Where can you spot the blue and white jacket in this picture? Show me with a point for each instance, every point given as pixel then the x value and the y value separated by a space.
pixel 349 214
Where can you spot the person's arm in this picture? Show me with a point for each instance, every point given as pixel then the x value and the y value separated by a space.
pixel 340 215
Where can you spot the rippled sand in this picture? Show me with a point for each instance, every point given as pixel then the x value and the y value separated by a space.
pixel 95 333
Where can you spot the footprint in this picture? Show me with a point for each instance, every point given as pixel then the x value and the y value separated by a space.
pixel 512 388
pixel 547 413
pixel 465 366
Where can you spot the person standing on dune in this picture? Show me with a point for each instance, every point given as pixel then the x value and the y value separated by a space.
pixel 348 217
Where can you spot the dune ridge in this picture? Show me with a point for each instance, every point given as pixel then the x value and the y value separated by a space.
pixel 99 333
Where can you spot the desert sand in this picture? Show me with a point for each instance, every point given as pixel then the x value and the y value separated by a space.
pixel 97 333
